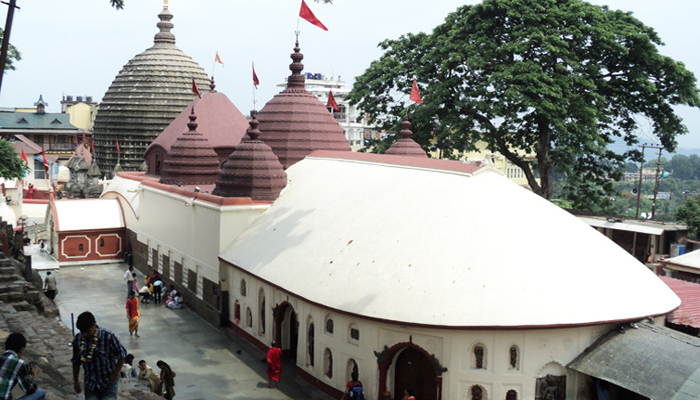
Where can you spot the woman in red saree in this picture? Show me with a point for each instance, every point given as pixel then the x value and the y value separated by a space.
pixel 132 312
pixel 274 364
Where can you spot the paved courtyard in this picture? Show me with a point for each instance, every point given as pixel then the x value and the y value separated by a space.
pixel 209 364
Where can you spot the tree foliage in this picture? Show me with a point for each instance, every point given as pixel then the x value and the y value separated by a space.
pixel 555 79
pixel 689 213
pixel 13 55
pixel 11 165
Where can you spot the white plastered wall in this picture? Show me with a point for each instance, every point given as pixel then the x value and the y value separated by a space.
pixel 540 351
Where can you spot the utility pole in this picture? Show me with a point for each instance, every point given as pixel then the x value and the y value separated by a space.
pixel 656 186
pixel 641 170
pixel 6 37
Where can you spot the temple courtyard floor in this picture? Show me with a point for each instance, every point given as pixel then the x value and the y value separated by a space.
pixel 209 364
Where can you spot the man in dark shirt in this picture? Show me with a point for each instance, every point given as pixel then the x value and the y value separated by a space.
pixel 14 370
pixel 102 357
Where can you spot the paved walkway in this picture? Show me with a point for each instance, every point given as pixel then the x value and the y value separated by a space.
pixel 209 364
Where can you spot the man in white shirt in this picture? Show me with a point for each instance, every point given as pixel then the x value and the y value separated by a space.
pixel 129 278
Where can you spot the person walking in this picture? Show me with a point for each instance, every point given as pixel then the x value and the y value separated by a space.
pixel 354 389
pixel 50 286
pixel 14 370
pixel 133 314
pixel 129 279
pixel 167 377
pixel 102 356
pixel 274 364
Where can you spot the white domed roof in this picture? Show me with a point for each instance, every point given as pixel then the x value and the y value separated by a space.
pixel 420 244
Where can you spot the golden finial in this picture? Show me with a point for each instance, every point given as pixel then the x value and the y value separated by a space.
pixel 165 6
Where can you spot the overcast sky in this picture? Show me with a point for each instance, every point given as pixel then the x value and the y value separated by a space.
pixel 77 47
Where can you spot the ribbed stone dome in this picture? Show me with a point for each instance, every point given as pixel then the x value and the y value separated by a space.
pixel 191 159
pixel 406 146
pixel 295 123
pixel 147 94
pixel 252 170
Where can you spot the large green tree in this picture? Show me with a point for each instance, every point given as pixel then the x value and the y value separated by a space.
pixel 689 213
pixel 555 79
pixel 11 165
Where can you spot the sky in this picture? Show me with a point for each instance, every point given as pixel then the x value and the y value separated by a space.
pixel 77 47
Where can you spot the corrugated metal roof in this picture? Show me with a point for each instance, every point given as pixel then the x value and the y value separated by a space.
pixel 689 311
pixel 654 361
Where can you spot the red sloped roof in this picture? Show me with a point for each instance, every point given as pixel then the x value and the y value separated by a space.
pixel 218 118
pixel 689 311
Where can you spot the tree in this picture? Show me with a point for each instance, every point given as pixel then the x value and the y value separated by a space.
pixel 13 54
pixel 689 214
pixel 11 165
pixel 557 79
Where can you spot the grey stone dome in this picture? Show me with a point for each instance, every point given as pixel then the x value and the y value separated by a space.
pixel 147 94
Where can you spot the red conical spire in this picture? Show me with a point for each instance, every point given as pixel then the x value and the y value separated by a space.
pixel 406 146
pixel 191 159
pixel 252 170
pixel 295 123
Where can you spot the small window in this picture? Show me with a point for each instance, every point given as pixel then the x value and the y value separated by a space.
pixel 249 317
pixel 261 328
pixel 237 313
pixel 479 357
pixel 477 393
pixel 310 343
pixel 329 326
pixel 102 243
pixel 512 395
pixel 514 359
pixel 80 247
pixel 354 336
pixel 244 290
pixel 328 363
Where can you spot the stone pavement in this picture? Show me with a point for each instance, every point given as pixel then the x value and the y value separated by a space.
pixel 209 364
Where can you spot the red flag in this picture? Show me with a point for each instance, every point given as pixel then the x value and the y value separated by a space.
pixel 76 141
pixel 118 151
pixel 194 89
pixel 92 145
pixel 415 94
pixel 256 81
pixel 24 157
pixel 306 13
pixel 46 164
pixel 331 102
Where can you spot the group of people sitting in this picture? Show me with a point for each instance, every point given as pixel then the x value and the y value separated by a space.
pixel 162 385
pixel 153 291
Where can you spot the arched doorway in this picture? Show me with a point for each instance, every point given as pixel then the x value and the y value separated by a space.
pixel 412 367
pixel 286 329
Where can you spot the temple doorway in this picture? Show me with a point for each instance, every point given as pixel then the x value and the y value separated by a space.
pixel 287 330
pixel 413 369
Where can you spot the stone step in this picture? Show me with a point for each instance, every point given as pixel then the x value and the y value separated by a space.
pixel 24 306
pixel 7 270
pixel 12 297
pixel 9 278
pixel 11 288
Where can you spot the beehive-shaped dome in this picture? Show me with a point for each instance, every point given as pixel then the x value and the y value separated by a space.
pixel 406 146
pixel 147 94
pixel 252 170
pixel 191 159
pixel 295 123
